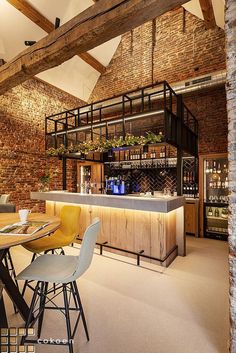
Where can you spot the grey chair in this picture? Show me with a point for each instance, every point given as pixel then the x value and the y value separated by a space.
pixel 63 271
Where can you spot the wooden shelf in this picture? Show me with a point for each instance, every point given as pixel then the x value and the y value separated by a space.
pixel 218 218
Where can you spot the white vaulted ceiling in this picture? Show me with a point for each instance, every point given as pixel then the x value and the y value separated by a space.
pixel 194 7
pixel 74 76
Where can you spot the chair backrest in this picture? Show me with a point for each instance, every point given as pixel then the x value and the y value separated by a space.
pixel 87 247
pixel 4 198
pixel 69 216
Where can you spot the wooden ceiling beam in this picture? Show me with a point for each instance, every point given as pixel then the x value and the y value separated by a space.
pixel 96 25
pixel 35 16
pixel 208 13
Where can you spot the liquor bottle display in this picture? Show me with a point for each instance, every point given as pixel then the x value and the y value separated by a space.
pixel 216 198
pixel 190 180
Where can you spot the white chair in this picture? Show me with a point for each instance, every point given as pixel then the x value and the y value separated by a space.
pixel 64 271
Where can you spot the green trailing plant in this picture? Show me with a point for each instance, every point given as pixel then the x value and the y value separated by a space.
pixel 98 145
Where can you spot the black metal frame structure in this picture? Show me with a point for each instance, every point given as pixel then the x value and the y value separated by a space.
pixel 105 118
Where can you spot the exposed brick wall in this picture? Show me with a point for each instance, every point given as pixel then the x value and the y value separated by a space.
pixel 210 109
pixel 22 115
pixel 177 55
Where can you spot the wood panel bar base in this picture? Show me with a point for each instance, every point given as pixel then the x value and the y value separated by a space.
pixel 156 234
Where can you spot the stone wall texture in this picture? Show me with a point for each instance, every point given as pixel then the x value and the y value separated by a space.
pixel 22 141
pixel 230 30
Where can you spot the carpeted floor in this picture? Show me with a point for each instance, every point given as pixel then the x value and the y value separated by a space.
pixel 182 309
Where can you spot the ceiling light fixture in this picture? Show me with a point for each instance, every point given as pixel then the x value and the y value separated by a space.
pixel 28 43
pixel 57 22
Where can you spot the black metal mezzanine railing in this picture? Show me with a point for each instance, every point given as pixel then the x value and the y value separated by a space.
pixel 151 108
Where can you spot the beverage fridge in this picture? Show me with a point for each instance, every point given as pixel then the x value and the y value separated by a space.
pixel 215 189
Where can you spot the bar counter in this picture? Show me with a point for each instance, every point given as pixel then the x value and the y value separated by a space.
pixel 154 225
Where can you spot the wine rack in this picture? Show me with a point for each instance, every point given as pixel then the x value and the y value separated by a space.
pixel 190 177
pixel 216 198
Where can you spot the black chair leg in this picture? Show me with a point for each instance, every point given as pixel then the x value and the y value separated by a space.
pixel 3 316
pixel 81 309
pixel 67 315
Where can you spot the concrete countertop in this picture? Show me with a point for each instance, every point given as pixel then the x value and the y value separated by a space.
pixel 163 204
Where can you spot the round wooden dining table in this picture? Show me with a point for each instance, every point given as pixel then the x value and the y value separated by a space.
pixel 8 241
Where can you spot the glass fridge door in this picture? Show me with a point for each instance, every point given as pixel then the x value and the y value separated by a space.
pixel 216 198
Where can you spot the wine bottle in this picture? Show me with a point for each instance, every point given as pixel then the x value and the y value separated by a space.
pixel 164 152
pixel 210 213
pixel 226 182
pixel 211 183
pixel 184 177
pixel 219 183
pixel 217 212
pixel 214 167
pixel 161 153
pixel 219 168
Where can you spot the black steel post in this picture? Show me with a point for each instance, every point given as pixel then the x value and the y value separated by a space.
pixel 179 143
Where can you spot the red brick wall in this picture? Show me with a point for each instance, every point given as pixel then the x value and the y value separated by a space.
pixel 177 55
pixel 22 157
pixel 210 109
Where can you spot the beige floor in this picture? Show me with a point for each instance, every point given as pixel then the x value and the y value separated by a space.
pixel 182 309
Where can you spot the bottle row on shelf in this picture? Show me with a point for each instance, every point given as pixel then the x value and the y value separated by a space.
pixel 188 177
pixel 216 167
pixel 190 191
pixel 217 230
pixel 219 184
pixel 143 153
pixel 147 164
pixel 217 212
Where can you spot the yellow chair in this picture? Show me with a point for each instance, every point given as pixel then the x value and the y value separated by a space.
pixel 63 236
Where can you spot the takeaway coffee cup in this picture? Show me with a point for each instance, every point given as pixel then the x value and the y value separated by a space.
pixel 23 214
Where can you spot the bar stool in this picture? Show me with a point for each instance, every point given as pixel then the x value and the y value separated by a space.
pixel 3 316
pixel 64 271
pixel 63 236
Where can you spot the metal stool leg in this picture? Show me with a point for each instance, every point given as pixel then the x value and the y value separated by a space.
pixel 81 309
pixel 31 311
pixel 67 315
pixel 43 296
pixel 26 282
